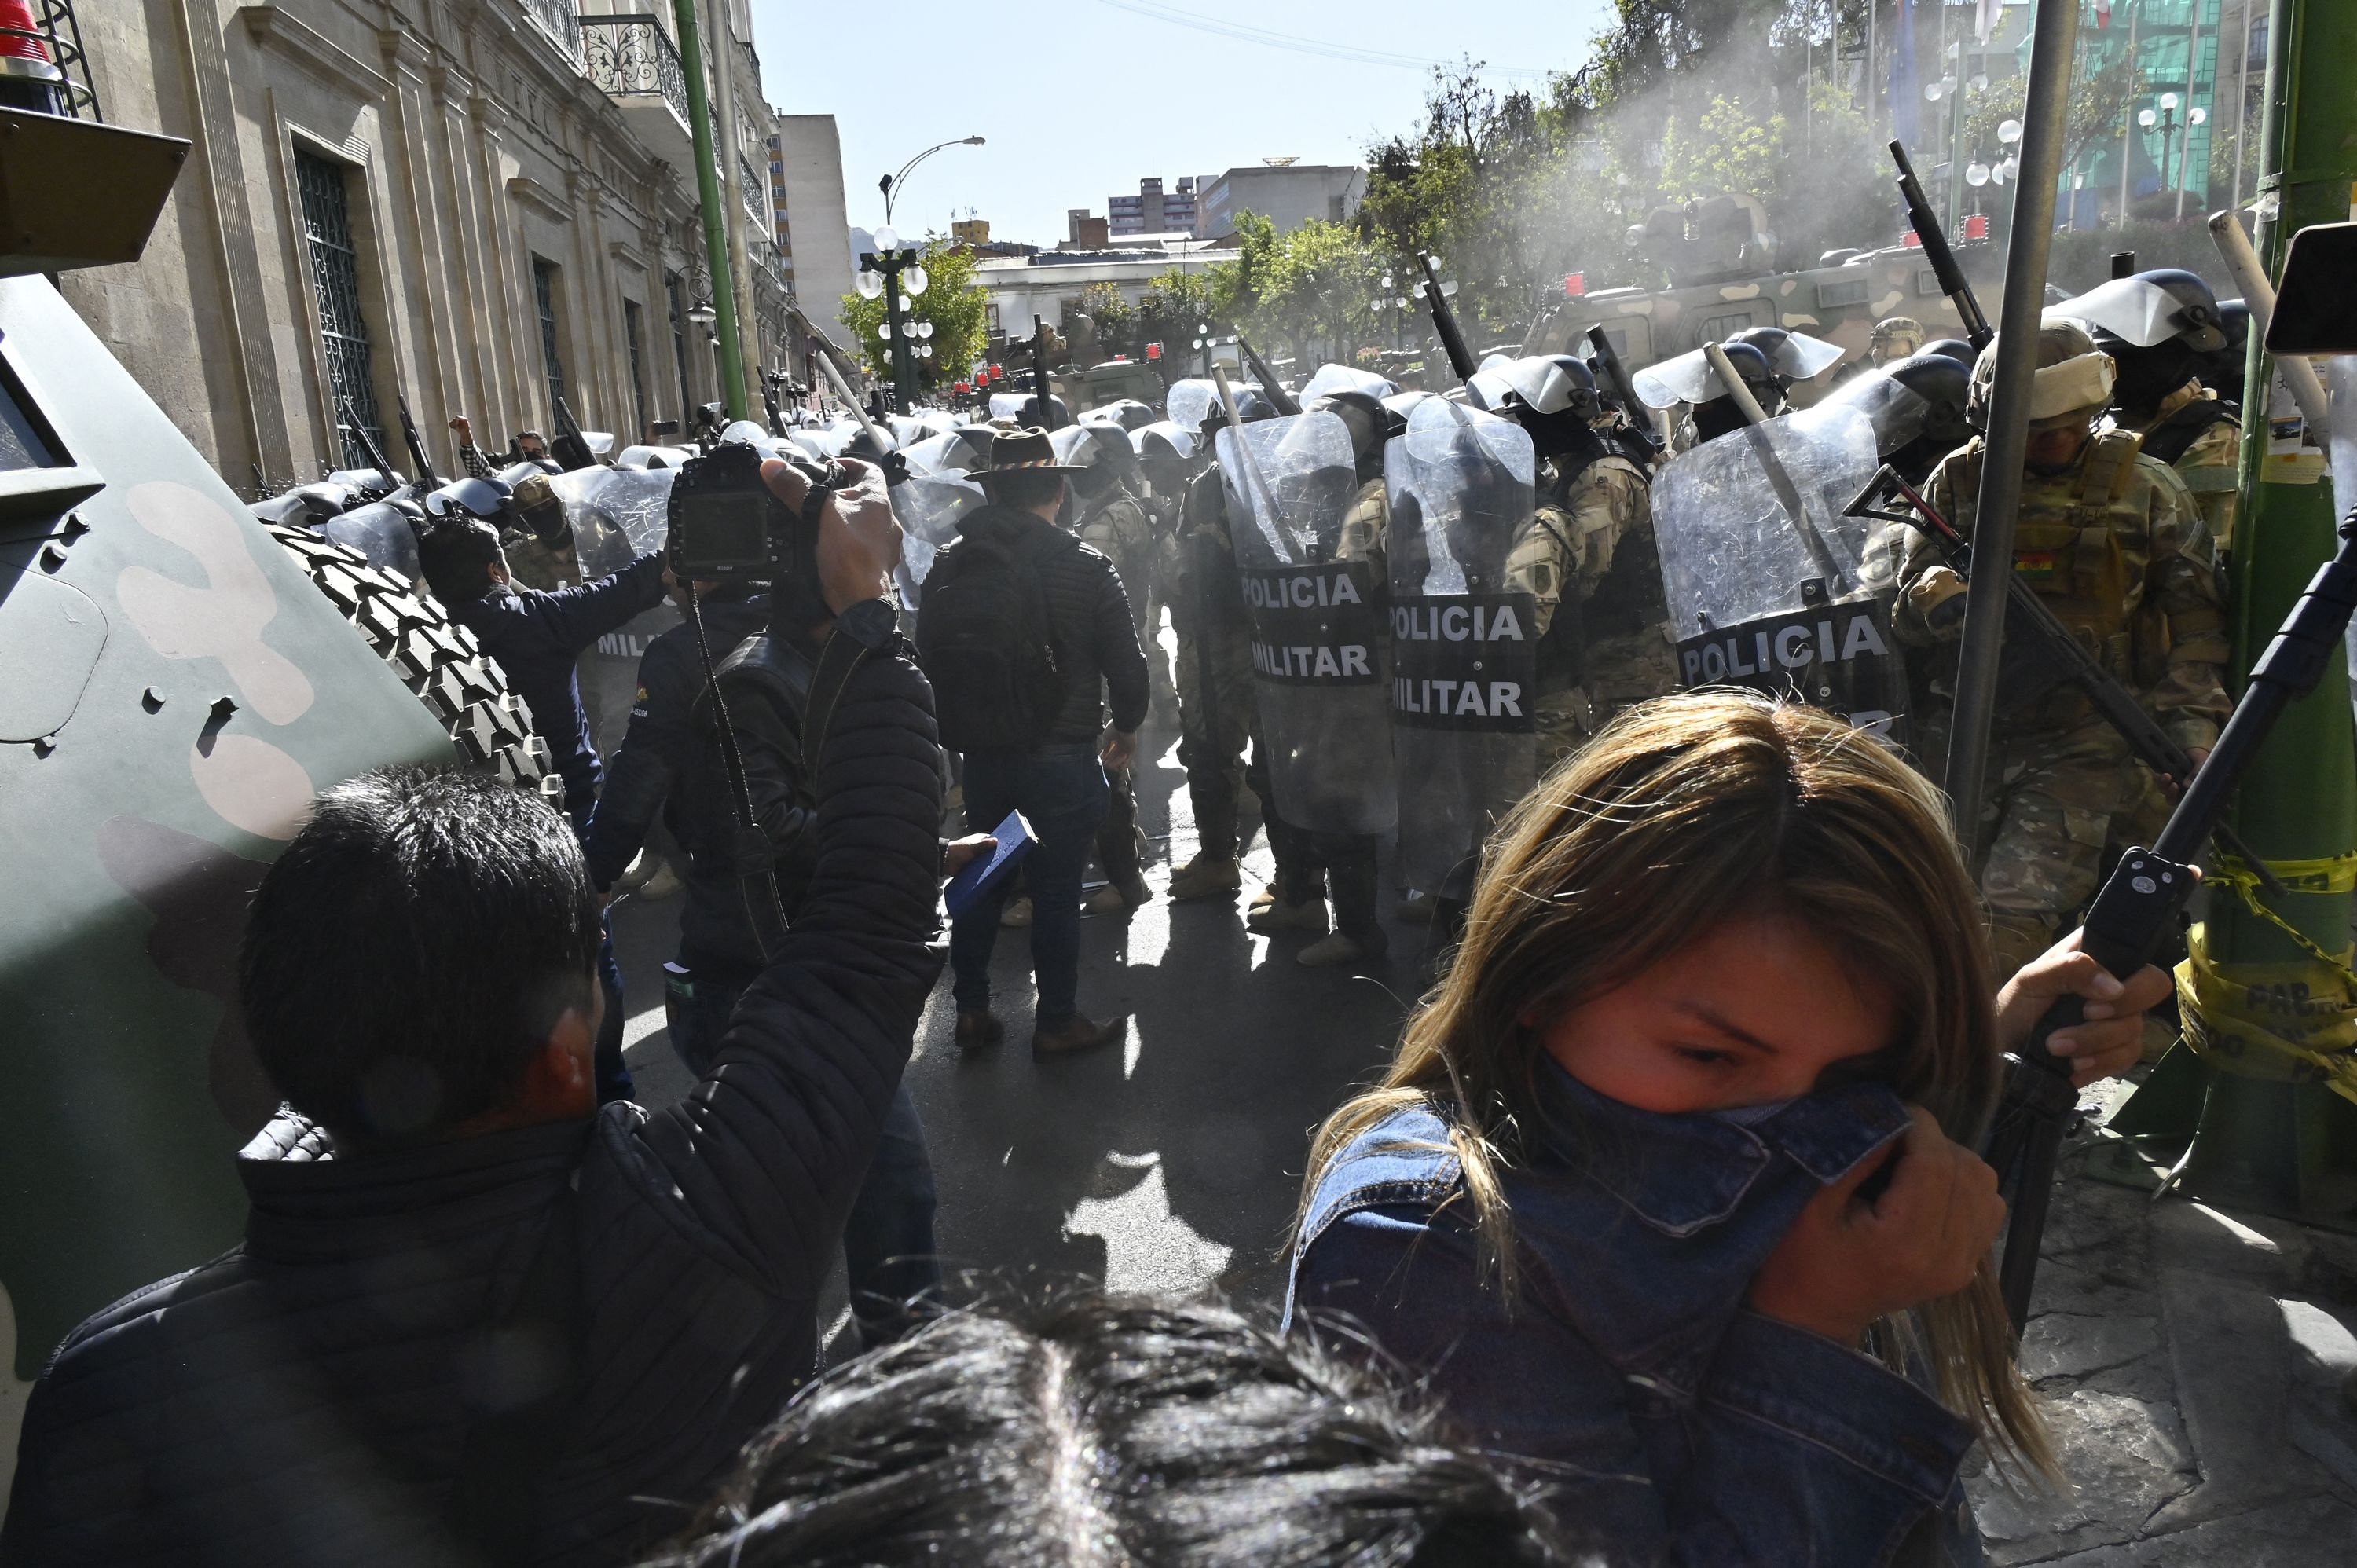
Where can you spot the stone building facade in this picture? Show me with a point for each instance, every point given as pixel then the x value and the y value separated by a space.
pixel 475 205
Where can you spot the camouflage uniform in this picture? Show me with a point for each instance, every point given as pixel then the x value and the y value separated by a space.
pixel 2211 463
pixel 1592 541
pixel 2116 547
pixel 1215 628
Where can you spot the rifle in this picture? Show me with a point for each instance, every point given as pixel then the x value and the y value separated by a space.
pixel 377 459
pixel 570 447
pixel 1444 320
pixel 1616 380
pixel 2112 702
pixel 425 478
pixel 1936 252
pixel 2139 906
pixel 1284 401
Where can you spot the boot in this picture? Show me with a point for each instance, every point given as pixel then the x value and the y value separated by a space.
pixel 1018 913
pixel 1205 877
pixel 978 1032
pixel 1339 949
pixel 1076 1034
pixel 1106 900
pixel 1310 915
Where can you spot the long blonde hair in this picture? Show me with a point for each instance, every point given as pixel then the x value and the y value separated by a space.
pixel 1679 814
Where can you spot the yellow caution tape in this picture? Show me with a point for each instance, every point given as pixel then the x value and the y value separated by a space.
pixel 2292 1022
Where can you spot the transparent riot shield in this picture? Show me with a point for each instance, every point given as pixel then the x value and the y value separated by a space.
pixel 1318 629
pixel 379 531
pixel 928 506
pixel 1464 648
pixel 1769 584
pixel 618 514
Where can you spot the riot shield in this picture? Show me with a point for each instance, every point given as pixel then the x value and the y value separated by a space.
pixel 928 506
pixel 1317 631
pixel 1188 402
pixel 1768 584
pixel 379 531
pixel 1464 648
pixel 1097 446
pixel 618 514
pixel 1332 378
pixel 961 451
pixel 1898 414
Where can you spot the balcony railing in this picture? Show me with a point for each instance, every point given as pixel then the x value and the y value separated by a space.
pixel 626 55
pixel 556 18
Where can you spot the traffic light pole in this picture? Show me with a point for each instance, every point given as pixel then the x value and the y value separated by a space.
pixel 715 231
pixel 2271 1142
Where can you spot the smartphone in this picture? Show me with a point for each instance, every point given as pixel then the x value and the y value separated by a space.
pixel 983 874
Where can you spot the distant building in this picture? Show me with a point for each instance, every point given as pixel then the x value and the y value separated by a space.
pixel 973 231
pixel 1017 288
pixel 1289 193
pixel 1083 233
pixel 1152 210
pixel 806 193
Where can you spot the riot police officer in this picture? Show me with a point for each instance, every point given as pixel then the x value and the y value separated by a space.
pixel 1917 407
pixel 1311 866
pixel 670 762
pixel 1103 512
pixel 1216 704
pixel 2112 540
pixel 1588 564
pixel 2155 326
pixel 1712 411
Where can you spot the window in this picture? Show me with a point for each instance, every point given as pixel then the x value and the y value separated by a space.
pixel 545 286
pixel 1719 329
pixel 679 349
pixel 633 330
pixel 320 183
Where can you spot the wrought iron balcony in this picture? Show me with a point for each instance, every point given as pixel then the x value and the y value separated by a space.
pixel 632 57
pixel 556 18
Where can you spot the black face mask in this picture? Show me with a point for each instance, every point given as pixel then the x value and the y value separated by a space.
pixel 1717 417
pixel 2148 375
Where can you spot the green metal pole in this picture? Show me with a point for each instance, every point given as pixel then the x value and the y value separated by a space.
pixel 2276 1145
pixel 707 194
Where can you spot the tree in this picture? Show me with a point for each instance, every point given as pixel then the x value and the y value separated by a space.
pixel 953 304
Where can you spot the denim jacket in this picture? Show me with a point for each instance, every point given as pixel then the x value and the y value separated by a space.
pixel 1680 1426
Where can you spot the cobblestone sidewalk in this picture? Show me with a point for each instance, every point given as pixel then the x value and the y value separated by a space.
pixel 2195 1361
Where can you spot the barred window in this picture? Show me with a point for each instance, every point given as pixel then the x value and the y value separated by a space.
pixel 545 285
pixel 320 185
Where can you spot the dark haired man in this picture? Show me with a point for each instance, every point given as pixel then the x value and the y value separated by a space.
pixel 537 637
pixel 1058 781
pixel 474 1317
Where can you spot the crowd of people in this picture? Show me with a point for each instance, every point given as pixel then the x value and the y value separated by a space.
pixel 1662 1239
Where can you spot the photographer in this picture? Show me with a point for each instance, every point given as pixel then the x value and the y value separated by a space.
pixel 537 637
pixel 670 761
pixel 475 1318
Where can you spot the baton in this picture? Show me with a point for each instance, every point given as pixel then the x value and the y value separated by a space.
pixel 1252 466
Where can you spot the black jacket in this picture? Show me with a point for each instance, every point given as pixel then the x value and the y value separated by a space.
pixel 535 636
pixel 1089 623
pixel 670 762
pixel 304 1399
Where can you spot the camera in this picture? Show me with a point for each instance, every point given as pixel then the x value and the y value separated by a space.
pixel 728 526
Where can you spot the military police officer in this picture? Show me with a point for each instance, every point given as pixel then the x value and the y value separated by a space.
pixel 2110 539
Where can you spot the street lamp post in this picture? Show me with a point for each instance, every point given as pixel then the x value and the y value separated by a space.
pixel 2167 121
pixel 898 275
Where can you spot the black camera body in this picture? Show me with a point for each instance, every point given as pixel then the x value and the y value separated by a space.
pixel 728 526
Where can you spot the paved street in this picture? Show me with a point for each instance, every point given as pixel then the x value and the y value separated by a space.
pixel 1173 1162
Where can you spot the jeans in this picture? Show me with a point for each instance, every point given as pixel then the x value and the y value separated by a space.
pixel 1062 790
pixel 888 1245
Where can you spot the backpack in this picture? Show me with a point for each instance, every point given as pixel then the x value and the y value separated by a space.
pixel 984 641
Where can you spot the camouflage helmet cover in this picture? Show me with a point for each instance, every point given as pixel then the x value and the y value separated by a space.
pixel 2073 381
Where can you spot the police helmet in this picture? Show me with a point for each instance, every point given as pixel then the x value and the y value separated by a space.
pixel 2144 310
pixel 1955 348
pixel 1794 356
pixel 1362 413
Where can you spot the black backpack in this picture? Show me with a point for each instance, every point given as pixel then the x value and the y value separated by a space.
pixel 984 641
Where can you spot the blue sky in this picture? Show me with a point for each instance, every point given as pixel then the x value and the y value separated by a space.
pixel 1078 99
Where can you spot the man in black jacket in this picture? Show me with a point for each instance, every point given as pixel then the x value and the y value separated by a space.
pixel 1058 785
pixel 475 1318
pixel 670 762
pixel 537 637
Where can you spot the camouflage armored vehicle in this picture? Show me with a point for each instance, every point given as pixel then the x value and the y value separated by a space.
pixel 175 685
pixel 1713 250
